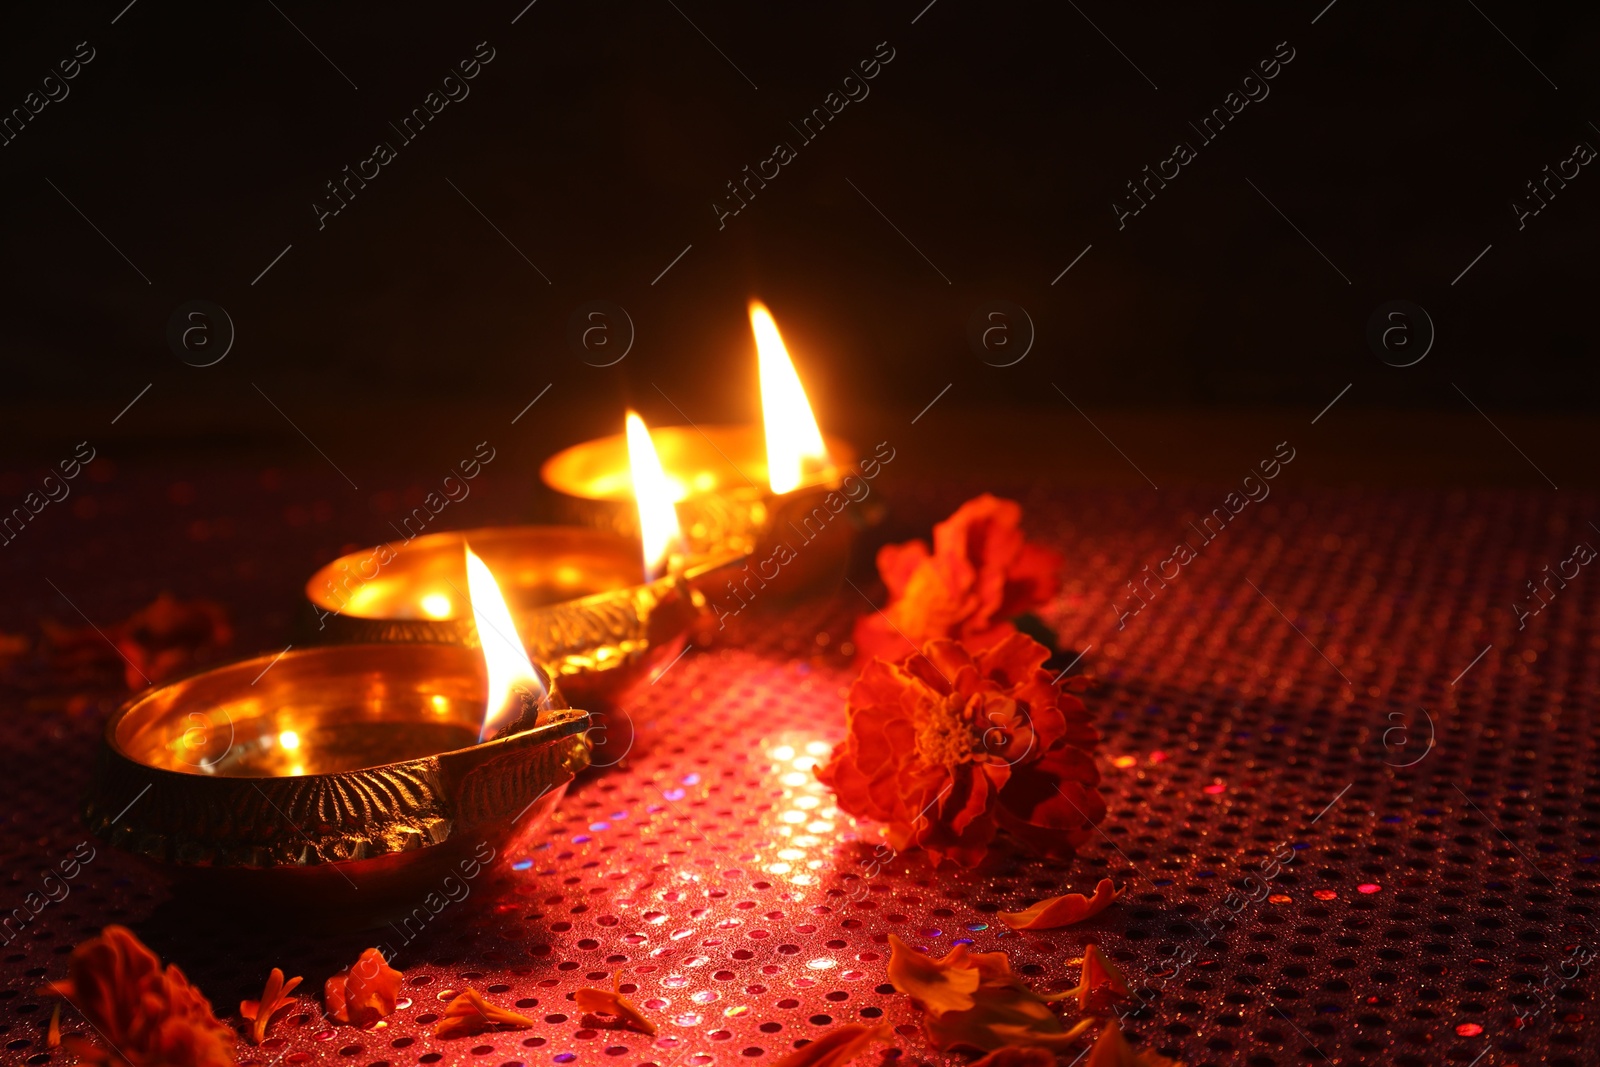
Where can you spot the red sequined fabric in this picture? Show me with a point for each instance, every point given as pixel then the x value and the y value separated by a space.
pixel 1356 807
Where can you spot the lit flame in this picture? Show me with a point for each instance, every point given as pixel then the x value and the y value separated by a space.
pixel 654 493
pixel 514 686
pixel 792 434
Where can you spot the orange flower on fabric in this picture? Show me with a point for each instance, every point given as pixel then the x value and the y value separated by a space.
pixel 949 746
pixel 274 998
pixel 611 1002
pixel 1063 910
pixel 161 640
pixel 980 574
pixel 973 1000
pixel 363 993
pixel 470 1013
pixel 170 636
pixel 1113 1050
pixel 835 1048
pixel 146 1016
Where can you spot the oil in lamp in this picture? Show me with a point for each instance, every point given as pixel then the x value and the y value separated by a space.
pixel 341 779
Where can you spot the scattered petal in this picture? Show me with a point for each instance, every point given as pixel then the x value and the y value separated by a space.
pixel 363 993
pixel 973 1000
pixel 1063 910
pixel 1015 1056
pixel 939 985
pixel 612 1003
pixel 52 1036
pixel 274 998
pixel 469 1013
pixel 837 1047
pixel 145 1015
pixel 1100 986
pixel 1113 1050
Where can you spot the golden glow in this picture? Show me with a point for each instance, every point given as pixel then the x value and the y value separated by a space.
pixel 289 740
pixel 436 606
pixel 514 686
pixel 653 493
pixel 793 439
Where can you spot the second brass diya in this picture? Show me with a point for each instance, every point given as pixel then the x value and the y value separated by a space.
pixel 344 778
pixel 576 596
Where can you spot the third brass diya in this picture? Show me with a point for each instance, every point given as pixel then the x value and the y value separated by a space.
pixel 719 474
pixel 341 779
pixel 798 543
pixel 576 596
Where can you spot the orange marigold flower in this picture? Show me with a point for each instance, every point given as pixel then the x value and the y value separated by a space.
pixel 1063 910
pixel 274 998
pixel 611 1002
pixel 161 640
pixel 835 1048
pixel 973 1000
pixel 169 636
pixel 950 745
pixel 146 1016
pixel 365 992
pixel 980 574
pixel 469 1013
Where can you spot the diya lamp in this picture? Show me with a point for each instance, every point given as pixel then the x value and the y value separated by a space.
pixel 342 779
pixel 598 609
pixel 760 490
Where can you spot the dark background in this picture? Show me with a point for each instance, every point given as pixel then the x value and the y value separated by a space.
pixel 996 140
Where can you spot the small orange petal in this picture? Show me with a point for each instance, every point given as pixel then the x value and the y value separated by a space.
pixel 940 985
pixel 364 992
pixel 837 1047
pixel 610 1002
pixel 1018 1056
pixel 1101 983
pixel 274 998
pixel 469 1013
pixel 52 1036
pixel 1113 1050
pixel 1063 910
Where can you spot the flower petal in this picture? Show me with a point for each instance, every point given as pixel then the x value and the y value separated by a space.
pixel 1018 1056
pixel 610 1002
pixel 1113 1050
pixel 1063 910
pixel 470 1013
pixel 941 985
pixel 274 998
pixel 1001 1015
pixel 1101 984
pixel 364 992
pixel 835 1048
